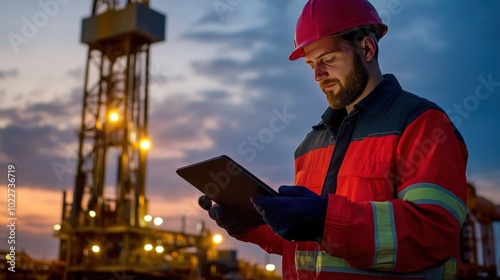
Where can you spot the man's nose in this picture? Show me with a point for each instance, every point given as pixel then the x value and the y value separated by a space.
pixel 320 72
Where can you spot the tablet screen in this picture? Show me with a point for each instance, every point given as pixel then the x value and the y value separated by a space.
pixel 228 184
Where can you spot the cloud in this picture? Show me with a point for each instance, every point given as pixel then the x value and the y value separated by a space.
pixel 76 73
pixel 159 76
pixel 38 137
pixel 4 74
pixel 210 18
pixel 423 32
pixel 228 70
pixel 58 112
pixel 36 212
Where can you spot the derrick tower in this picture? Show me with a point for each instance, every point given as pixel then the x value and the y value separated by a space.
pixel 103 228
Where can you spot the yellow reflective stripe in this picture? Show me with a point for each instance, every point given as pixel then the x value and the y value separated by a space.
pixel 322 261
pixel 426 193
pixel 329 263
pixel 445 272
pixel 305 260
pixel 385 236
pixel 326 261
pixel 450 269
pixel 318 261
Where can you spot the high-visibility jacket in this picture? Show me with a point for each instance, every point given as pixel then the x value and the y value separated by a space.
pixel 393 170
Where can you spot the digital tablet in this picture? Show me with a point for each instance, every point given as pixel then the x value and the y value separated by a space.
pixel 228 184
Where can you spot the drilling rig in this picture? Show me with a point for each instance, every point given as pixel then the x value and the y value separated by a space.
pixel 106 230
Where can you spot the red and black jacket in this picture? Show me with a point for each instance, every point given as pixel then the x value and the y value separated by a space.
pixel 393 170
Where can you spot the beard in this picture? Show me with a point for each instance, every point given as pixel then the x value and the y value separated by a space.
pixel 354 86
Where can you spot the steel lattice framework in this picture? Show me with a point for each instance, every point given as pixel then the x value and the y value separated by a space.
pixel 114 121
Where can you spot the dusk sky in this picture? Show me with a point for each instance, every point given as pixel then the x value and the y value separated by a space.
pixel 217 81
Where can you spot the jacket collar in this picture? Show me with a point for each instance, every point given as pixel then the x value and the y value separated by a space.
pixel 381 96
pixel 377 101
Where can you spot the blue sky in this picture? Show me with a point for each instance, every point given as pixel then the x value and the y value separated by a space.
pixel 218 81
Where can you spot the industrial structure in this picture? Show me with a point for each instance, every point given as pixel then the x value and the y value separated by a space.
pixel 108 231
pixel 479 239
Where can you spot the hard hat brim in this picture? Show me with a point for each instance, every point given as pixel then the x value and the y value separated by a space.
pixel 299 52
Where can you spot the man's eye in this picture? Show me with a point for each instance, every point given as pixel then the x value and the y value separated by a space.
pixel 329 60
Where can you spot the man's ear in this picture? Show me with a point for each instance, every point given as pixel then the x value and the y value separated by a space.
pixel 369 47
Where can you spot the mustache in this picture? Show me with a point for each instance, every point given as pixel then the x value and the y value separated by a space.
pixel 327 82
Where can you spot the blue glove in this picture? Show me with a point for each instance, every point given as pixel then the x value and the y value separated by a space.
pixel 297 214
pixel 231 221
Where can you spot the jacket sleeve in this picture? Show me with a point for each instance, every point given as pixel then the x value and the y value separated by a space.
pixel 421 227
pixel 265 238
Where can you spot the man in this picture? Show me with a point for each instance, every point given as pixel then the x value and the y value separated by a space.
pixel 380 181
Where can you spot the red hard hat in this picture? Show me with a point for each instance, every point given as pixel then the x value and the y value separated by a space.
pixel 322 18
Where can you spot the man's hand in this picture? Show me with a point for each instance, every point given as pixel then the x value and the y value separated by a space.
pixel 229 220
pixel 297 214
